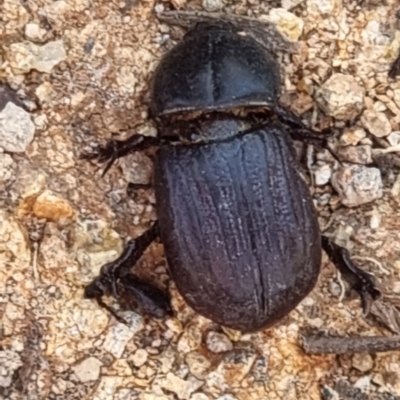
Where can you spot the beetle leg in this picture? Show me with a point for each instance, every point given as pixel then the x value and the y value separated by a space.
pixel 362 282
pixel 137 186
pixel 148 298
pixel 116 279
pixel 395 68
pixel 101 304
pixel 130 290
pixel 115 149
pixel 299 131
pixel 96 289
pixel 133 250
pixel 132 190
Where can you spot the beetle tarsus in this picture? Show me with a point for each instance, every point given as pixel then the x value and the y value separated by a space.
pixel 116 280
pixel 115 149
pixel 101 304
pixel 362 282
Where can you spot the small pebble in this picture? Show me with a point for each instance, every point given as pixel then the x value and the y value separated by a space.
pixel 218 342
pixel 178 4
pixel 182 388
pixel 212 5
pixel 376 123
pixel 88 370
pixel 375 221
pixel 159 8
pixel 6 167
pixel 137 168
pixel 289 4
pixel 335 289
pixel 174 325
pixel 26 56
pixel 140 357
pixel 395 190
pixel 322 7
pixel 33 31
pixel 394 138
pixel 16 128
pixel 45 93
pixel 198 364
pixel 52 208
pixel 364 383
pixel 322 174
pixel 117 338
pixel 10 361
pixel 378 379
pixel 287 23
pixel 356 154
pixel 357 184
pixel 316 322
pixel 190 340
pixel 363 362
pixel 341 97
pixel 352 136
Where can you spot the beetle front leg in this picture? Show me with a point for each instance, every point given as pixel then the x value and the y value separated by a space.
pixel 115 149
pixel 362 282
pixel 300 131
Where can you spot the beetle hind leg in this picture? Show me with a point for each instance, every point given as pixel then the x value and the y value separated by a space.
pixel 395 68
pixel 133 250
pixel 362 282
pixel 117 280
pixel 149 299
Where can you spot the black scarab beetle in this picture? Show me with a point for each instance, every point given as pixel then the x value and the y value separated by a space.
pixel 237 221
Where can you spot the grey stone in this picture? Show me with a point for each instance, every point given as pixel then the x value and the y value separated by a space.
pixel 16 128
pixel 341 97
pixel 88 370
pixel 357 184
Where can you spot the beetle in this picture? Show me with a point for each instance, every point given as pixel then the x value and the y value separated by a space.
pixel 235 216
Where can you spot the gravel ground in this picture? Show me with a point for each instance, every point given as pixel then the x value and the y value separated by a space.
pixel 75 73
